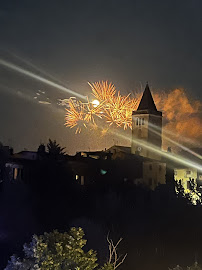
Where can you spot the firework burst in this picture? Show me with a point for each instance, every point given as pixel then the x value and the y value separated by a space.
pixel 75 115
pixel 119 111
pixel 110 105
pixel 103 91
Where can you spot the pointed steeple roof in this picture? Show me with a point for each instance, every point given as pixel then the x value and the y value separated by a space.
pixel 147 102
pixel 147 105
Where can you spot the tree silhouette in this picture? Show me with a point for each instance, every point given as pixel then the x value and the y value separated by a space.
pixel 41 149
pixel 55 150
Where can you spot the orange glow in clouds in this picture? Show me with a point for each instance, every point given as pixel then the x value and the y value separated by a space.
pixel 182 115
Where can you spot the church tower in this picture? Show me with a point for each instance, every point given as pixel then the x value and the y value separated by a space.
pixel 146 127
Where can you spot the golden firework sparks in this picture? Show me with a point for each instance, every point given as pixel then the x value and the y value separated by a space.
pixel 116 109
pixel 103 91
pixel 119 111
pixel 92 111
pixel 75 115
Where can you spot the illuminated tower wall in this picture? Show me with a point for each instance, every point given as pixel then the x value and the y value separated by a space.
pixel 146 122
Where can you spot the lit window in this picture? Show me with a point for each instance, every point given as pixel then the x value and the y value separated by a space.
pixel 15 174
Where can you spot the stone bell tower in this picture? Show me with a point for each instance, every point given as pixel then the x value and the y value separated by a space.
pixel 147 127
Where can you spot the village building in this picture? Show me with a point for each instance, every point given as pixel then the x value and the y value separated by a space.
pixel 185 174
pixel 144 163
pixel 137 164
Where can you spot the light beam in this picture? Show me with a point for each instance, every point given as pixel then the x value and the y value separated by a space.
pixel 36 68
pixel 172 141
pixel 39 78
pixel 173 157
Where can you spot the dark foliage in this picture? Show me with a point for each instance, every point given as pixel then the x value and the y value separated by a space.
pixel 55 150
pixel 159 229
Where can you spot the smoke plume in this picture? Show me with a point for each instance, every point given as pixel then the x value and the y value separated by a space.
pixel 182 117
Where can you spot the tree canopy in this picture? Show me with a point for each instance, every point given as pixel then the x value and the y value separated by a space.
pixel 57 251
pixel 54 148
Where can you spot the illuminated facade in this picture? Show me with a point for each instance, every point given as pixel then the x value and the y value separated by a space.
pixel 144 121
pixel 185 175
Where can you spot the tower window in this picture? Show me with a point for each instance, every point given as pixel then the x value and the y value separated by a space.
pixel 139 121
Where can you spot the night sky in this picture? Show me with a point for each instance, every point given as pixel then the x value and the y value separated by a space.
pixel 126 42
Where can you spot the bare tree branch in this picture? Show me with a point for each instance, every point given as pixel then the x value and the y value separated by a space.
pixel 121 261
pixel 114 259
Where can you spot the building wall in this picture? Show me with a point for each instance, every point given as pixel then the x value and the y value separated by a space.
pixel 154 173
pixel 185 174
pixel 155 121
pixel 29 155
pixel 141 132
pixel 15 171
